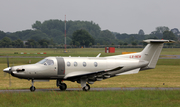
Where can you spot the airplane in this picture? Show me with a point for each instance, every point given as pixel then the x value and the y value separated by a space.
pixel 87 70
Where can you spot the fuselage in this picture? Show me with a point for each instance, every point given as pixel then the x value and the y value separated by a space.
pixel 59 67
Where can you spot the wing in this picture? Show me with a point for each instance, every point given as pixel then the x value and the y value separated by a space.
pixel 90 75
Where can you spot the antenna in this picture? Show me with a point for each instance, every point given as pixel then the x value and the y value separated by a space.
pixel 65 36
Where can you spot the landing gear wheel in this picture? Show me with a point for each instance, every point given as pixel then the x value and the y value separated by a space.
pixel 86 88
pixel 32 88
pixel 63 86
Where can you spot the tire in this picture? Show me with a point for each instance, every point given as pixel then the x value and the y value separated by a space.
pixel 63 87
pixel 32 88
pixel 86 88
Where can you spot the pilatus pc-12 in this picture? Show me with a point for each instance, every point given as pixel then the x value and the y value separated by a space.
pixel 87 70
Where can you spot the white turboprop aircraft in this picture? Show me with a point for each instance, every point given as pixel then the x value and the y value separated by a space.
pixel 87 70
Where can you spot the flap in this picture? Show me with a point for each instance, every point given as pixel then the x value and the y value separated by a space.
pixel 134 71
pixel 72 74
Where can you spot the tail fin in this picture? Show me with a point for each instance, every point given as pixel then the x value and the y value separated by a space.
pixel 152 51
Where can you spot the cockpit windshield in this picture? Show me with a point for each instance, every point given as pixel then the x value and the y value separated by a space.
pixel 46 62
pixel 42 61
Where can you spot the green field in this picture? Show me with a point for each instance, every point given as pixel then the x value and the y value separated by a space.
pixel 91 52
pixel 166 74
pixel 137 98
pixel 166 71
pixel 163 74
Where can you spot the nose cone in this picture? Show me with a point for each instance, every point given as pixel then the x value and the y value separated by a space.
pixel 7 70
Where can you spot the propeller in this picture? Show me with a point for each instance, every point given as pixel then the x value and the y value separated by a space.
pixel 7 66
pixel 8 70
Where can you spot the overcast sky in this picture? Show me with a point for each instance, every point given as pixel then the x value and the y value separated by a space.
pixel 123 16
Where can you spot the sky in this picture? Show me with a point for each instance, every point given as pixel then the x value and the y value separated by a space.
pixel 122 16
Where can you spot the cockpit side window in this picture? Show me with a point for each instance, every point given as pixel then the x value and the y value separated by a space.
pixel 46 62
pixel 42 61
pixel 50 62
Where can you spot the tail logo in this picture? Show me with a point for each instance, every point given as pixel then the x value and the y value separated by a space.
pixel 135 56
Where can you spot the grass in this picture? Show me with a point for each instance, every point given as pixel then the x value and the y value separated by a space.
pixel 162 74
pixel 137 98
pixel 91 52
pixel 166 74
pixel 167 71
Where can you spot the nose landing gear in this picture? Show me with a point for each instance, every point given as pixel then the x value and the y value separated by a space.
pixel 32 88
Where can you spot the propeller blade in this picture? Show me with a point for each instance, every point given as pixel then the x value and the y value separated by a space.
pixel 8 70
pixel 7 61
pixel 9 80
pixel 5 74
pixel 10 75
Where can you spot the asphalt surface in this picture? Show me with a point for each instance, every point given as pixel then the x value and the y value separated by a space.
pixel 92 89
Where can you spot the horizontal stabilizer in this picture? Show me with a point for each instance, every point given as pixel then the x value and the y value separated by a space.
pixel 158 41
pixel 130 72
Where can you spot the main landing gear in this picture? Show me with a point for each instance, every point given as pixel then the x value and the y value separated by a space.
pixel 32 88
pixel 86 88
pixel 62 86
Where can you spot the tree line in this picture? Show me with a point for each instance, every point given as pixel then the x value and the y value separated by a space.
pixel 50 33
pixel 6 42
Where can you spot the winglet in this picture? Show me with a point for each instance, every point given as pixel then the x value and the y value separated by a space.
pixel 98 55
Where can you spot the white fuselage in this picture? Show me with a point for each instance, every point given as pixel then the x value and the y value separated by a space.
pixel 77 64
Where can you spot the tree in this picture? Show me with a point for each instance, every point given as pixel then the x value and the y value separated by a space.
pixel 121 42
pixel 90 44
pixel 5 42
pixel 134 43
pixel 83 37
pixel 37 25
pixel 77 43
pixel 54 29
pixel 125 44
pixel 2 34
pixel 161 29
pixel 98 44
pixel 141 32
pixel 169 35
pixel 106 37
pixel 31 43
pixel 44 43
pixel 18 43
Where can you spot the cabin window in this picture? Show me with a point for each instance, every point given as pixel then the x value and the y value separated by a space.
pixel 84 64
pixel 50 62
pixel 95 64
pixel 68 64
pixel 75 64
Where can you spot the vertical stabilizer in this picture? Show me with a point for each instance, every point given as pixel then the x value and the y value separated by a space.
pixel 152 51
